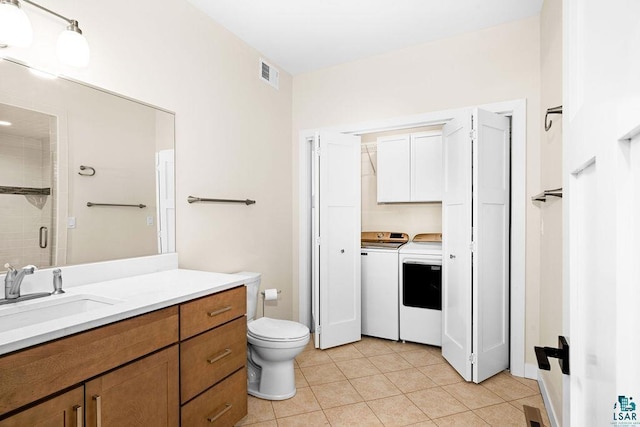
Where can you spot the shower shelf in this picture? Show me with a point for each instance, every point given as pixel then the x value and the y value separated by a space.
pixel 25 191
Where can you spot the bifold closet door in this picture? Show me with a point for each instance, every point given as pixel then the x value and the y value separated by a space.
pixel 475 331
pixel 336 290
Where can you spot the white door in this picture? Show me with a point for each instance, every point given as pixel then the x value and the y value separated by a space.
pixel 601 169
pixel 336 230
pixel 475 224
pixel 166 201
pixel 456 241
pixel 491 163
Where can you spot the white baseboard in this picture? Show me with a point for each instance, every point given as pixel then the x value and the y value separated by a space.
pixel 531 371
pixel 551 411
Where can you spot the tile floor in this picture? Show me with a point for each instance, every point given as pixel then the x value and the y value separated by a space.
pixel 376 382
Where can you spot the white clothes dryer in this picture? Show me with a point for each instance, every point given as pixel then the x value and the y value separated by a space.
pixel 420 292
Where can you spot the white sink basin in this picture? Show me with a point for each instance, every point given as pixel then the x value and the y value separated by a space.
pixel 49 308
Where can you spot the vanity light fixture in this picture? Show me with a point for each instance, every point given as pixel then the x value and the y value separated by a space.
pixel 15 30
pixel 5 123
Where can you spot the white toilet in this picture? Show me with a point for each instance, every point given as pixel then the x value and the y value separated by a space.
pixel 272 346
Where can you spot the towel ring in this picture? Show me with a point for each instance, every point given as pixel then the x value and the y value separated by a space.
pixel 82 168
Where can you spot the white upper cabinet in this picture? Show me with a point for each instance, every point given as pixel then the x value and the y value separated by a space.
pixel 426 167
pixel 394 171
pixel 410 168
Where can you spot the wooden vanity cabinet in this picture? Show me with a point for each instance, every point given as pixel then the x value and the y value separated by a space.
pixel 129 373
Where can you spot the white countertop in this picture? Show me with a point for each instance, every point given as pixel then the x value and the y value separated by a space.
pixel 136 295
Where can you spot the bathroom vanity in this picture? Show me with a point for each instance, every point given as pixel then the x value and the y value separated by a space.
pixel 171 352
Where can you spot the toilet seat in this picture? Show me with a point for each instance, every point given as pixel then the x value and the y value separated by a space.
pixel 276 330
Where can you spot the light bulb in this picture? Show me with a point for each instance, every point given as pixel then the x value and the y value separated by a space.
pixel 15 27
pixel 73 48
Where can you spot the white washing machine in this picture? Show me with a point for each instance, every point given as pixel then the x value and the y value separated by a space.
pixel 379 263
pixel 420 292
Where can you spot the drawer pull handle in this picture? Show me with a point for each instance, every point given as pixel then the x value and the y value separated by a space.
pixel 214 359
pixel 79 418
pixel 219 311
pixel 213 418
pixel 98 400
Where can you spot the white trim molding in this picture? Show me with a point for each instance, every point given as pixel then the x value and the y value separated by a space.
pixel 551 411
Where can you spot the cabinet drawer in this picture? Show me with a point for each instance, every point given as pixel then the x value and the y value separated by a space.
pixel 37 372
pixel 207 358
pixel 208 312
pixel 223 405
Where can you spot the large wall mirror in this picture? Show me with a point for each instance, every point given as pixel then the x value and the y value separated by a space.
pixel 85 175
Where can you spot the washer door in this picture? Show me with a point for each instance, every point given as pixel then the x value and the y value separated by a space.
pixel 422 285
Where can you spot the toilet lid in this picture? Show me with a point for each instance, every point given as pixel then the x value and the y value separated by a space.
pixel 276 329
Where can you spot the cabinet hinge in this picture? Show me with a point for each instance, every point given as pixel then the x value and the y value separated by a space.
pixel 473 358
pixel 473 134
pixel 317 241
pixel 318 329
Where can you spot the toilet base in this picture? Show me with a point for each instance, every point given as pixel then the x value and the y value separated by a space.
pixel 276 382
pixel 253 391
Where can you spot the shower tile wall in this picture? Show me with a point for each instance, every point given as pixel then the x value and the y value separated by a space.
pixel 24 162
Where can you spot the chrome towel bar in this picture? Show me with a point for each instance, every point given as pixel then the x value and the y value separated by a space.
pixel 89 204
pixel 192 199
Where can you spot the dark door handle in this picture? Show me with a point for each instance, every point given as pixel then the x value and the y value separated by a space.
pixel 562 353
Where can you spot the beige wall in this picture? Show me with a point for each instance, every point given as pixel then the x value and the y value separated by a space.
pixel 117 137
pixel 551 177
pixel 410 218
pixel 497 64
pixel 233 132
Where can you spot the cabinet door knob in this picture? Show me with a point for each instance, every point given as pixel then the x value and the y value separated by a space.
pixel 451 256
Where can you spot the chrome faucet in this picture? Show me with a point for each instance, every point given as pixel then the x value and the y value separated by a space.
pixel 13 280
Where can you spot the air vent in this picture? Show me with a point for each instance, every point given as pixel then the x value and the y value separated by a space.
pixel 269 74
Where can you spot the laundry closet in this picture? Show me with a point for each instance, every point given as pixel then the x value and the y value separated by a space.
pixel 410 235
pixel 401 199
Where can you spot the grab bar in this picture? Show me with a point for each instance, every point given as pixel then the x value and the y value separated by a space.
pixel 89 204
pixel 192 199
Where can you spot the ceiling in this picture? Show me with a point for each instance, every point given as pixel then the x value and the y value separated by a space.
pixel 306 35
pixel 24 123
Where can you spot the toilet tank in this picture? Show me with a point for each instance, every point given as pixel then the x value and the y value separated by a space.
pixel 252 281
